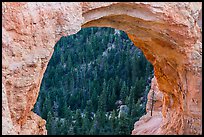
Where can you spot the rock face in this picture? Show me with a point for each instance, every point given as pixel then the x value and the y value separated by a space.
pixel 169 34
pixel 7 124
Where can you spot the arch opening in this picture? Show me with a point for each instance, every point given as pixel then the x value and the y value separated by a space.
pixel 99 74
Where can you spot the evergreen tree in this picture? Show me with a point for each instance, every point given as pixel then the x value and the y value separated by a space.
pixel 123 92
pixel 102 99
pixel 46 107
pixel 114 123
pixel 49 123
pixel 89 109
pixel 86 124
pixel 78 122
pixel 123 127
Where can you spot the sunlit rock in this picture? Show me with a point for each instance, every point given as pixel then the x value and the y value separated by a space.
pixel 123 111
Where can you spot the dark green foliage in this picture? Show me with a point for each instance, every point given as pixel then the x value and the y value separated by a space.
pixel 123 126
pixel 88 73
pixel 49 123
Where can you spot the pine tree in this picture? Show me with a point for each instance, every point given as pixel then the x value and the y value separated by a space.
pixel 123 126
pixel 103 99
pixel 46 107
pixel 131 97
pixel 89 109
pixel 78 122
pixel 112 99
pixel 114 123
pixel 123 92
pixel 49 123
pixel 58 127
pixel 68 115
pixel 86 124
pixel 95 129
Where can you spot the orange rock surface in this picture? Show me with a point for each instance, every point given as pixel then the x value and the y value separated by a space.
pixel 168 33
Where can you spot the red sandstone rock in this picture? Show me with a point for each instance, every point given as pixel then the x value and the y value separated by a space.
pixel 169 34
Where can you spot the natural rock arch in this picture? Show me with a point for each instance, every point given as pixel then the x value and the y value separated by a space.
pixel 169 34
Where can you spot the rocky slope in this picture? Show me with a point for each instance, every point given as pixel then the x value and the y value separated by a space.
pixel 169 34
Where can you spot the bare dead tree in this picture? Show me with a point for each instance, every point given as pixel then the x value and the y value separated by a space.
pixel 152 102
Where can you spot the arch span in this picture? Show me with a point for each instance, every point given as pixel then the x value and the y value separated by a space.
pixel 169 34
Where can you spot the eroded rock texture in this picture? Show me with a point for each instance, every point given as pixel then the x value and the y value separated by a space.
pixel 7 124
pixel 169 34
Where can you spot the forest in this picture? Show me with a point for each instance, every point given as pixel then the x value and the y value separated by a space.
pixel 96 83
